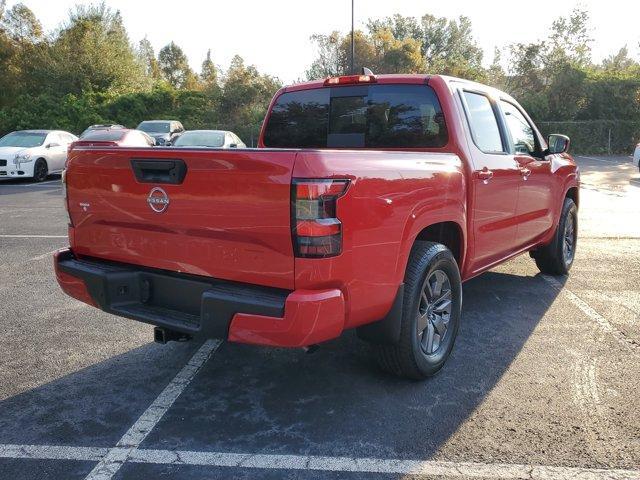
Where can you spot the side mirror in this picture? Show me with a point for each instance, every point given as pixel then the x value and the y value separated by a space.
pixel 558 143
pixel 52 145
pixel 167 144
pixel 233 145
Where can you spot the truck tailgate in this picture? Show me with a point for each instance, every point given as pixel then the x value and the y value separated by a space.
pixel 228 218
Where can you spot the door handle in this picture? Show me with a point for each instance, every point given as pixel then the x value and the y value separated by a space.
pixel 525 173
pixel 485 175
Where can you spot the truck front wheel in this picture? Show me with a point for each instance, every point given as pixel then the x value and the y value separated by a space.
pixel 557 257
pixel 431 313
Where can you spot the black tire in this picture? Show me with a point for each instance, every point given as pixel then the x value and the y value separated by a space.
pixel 557 257
pixel 40 170
pixel 409 358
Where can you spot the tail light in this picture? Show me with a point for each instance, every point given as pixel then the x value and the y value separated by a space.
pixel 316 230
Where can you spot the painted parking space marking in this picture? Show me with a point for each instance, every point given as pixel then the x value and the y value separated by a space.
pixel 131 440
pixel 43 256
pixel 53 452
pixel 612 161
pixel 121 455
pixel 34 236
pixel 26 185
pixel 601 321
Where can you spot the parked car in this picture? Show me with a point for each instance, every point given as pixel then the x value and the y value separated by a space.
pixel 636 156
pixel 209 138
pixel 162 131
pixel 102 126
pixel 374 199
pixel 34 153
pixel 116 137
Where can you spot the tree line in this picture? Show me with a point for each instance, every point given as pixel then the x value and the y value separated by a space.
pixel 88 71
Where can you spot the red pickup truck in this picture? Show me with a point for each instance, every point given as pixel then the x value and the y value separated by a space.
pixel 368 202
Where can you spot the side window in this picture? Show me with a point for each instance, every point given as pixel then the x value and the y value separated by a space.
pixel 522 137
pixel 483 123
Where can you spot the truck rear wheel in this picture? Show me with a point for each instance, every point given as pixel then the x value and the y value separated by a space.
pixel 557 257
pixel 431 313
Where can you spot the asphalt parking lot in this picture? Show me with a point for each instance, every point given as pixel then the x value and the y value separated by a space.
pixel 543 381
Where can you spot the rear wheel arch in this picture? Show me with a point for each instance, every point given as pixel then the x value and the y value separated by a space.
pixel 449 233
pixel 574 194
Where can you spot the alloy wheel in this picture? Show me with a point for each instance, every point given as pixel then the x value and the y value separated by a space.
pixel 434 311
pixel 569 240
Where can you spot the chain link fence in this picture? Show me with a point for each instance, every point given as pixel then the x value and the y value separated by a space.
pixel 597 136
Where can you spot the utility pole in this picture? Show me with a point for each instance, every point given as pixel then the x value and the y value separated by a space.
pixel 353 46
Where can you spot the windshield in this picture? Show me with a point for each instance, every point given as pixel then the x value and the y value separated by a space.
pixel 154 127
pixel 23 139
pixel 200 139
pixel 362 116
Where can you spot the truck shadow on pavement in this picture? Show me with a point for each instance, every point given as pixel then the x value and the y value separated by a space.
pixel 333 402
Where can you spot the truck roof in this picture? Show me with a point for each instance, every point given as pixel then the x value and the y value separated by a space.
pixel 407 79
pixel 385 78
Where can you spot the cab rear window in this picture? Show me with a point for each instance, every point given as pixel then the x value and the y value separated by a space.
pixel 362 116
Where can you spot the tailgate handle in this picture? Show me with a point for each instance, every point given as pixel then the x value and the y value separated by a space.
pixel 159 171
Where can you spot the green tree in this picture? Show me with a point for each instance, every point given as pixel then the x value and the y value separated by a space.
pixel 20 23
pixel 21 37
pixel 399 44
pixel 496 76
pixel 570 41
pixel 330 57
pixel 390 54
pixel 620 62
pixel 245 97
pixel 209 73
pixel 91 52
pixel 148 59
pixel 449 47
pixel 175 68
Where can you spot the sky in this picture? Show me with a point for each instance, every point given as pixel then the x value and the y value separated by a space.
pixel 274 35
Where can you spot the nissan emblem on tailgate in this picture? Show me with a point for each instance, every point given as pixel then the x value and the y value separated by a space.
pixel 158 200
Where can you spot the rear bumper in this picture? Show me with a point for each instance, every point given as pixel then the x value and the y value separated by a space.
pixel 202 306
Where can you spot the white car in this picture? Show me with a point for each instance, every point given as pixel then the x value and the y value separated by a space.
pixel 636 157
pixel 34 153
pixel 209 138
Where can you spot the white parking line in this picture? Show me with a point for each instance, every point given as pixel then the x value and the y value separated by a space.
pixel 316 463
pixel 25 185
pixel 602 322
pixel 53 452
pixel 43 256
pixel 131 440
pixel 602 160
pixel 383 466
pixel 33 236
